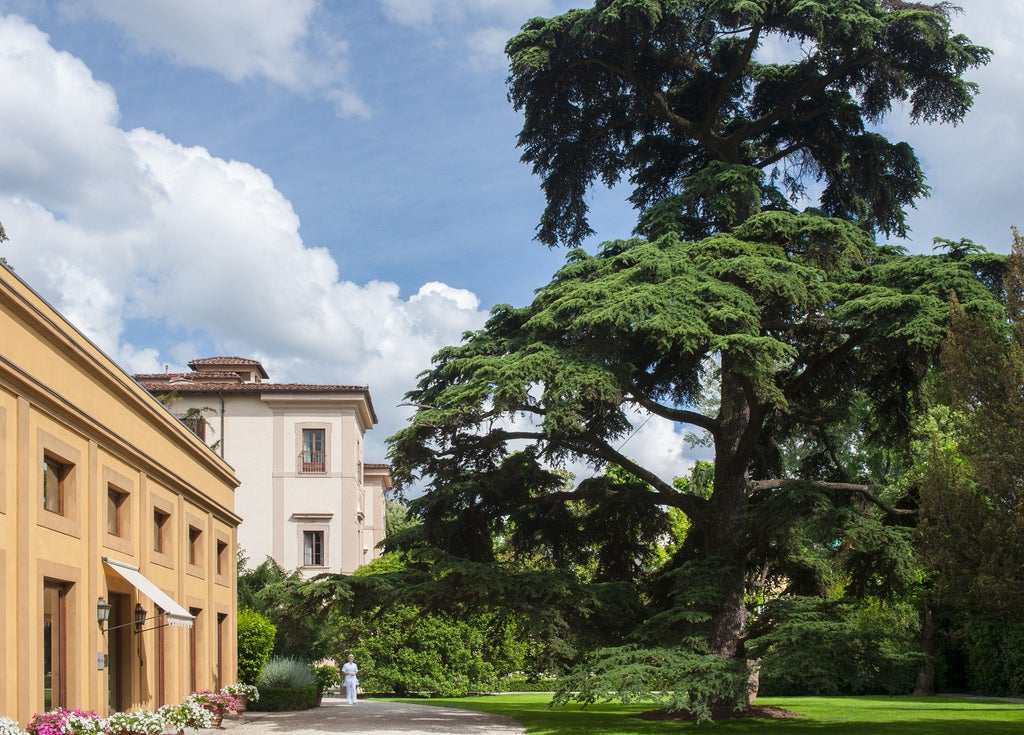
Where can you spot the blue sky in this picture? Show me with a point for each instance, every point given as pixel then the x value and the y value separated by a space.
pixel 334 188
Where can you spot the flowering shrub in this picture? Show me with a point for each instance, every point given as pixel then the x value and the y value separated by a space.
pixel 140 721
pixel 66 722
pixel 216 702
pixel 188 714
pixel 10 727
pixel 249 690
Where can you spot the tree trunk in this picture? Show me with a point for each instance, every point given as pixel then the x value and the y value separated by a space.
pixel 925 684
pixel 739 424
pixel 730 618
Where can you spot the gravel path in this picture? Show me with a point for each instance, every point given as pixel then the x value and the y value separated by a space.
pixel 372 716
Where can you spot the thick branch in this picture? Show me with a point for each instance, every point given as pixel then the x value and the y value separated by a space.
pixel 667 493
pixel 853 488
pixel 734 74
pixel 675 414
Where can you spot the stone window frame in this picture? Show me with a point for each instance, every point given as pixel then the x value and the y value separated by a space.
pixel 165 556
pixel 313 522
pixel 69 520
pixel 300 428
pixel 122 541
pixel 195 549
pixel 223 560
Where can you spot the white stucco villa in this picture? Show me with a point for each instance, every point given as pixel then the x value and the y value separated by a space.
pixel 307 498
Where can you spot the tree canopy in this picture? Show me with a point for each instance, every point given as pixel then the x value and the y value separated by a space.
pixel 659 90
pixel 805 335
pixel 793 341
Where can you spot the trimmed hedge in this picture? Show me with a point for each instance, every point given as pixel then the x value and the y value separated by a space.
pixel 274 699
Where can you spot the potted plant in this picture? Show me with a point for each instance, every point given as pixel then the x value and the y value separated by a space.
pixel 141 722
pixel 66 722
pixel 244 693
pixel 217 703
pixel 327 676
pixel 188 714
pixel 10 727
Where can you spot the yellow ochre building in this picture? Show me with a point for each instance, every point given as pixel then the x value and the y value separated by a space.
pixel 109 508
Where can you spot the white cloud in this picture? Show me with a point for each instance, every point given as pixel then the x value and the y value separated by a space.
pixel 662 447
pixel 123 230
pixel 240 39
pixel 44 121
pixel 973 169
pixel 482 26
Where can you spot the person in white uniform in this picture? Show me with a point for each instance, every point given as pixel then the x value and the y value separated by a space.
pixel 349 671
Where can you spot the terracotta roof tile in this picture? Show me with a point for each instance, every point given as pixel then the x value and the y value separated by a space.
pixel 228 362
pixel 203 386
pixel 223 361
pixel 227 381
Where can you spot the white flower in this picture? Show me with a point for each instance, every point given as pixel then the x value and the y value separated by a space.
pixel 248 689
pixel 139 721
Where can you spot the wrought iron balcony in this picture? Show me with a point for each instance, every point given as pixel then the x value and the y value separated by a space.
pixel 312 463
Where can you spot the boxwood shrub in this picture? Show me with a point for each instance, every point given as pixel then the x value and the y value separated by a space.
pixel 285 699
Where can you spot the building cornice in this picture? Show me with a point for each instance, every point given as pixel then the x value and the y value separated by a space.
pixel 36 312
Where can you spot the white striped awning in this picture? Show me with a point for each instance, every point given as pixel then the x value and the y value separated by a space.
pixel 176 614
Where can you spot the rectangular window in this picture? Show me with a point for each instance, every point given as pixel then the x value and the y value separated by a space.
pixel 161 524
pixel 195 548
pixel 222 558
pixel 314 459
pixel 55 473
pixel 115 511
pixel 313 548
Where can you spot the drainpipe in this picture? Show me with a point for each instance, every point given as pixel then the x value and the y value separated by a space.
pixel 221 396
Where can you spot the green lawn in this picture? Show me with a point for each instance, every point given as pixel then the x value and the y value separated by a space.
pixel 820 715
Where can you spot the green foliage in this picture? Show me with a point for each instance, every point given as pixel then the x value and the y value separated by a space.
pixel 303 611
pixel 396 517
pixel 992 651
pixel 806 342
pixel 252 581
pixel 286 684
pixel 553 612
pixel 285 673
pixel 327 676
pixel 968 477
pixel 255 643
pixel 405 650
pixel 673 678
pixel 811 646
pixel 274 699
pixel 661 91
pixel 792 341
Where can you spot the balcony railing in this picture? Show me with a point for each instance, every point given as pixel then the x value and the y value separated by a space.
pixel 312 463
